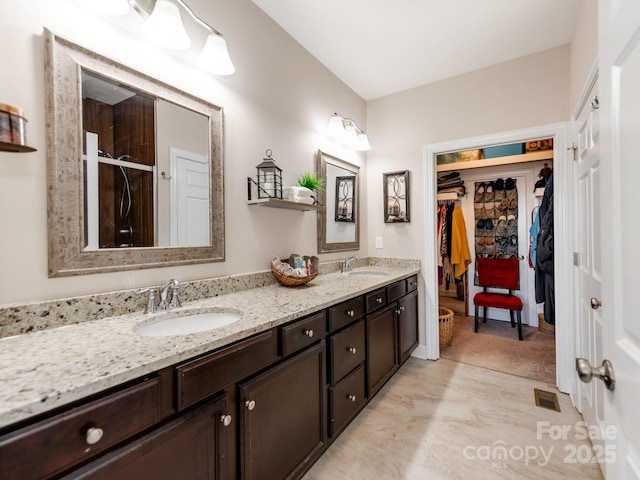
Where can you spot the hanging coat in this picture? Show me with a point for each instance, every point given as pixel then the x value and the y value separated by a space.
pixel 460 254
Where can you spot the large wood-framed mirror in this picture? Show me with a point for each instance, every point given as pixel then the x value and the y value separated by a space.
pixel 134 168
pixel 339 224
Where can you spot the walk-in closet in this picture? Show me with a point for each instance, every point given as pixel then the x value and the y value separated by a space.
pixel 500 201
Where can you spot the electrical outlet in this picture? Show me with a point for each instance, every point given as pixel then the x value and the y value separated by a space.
pixel 378 242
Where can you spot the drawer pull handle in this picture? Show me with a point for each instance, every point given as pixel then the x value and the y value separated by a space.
pixel 352 350
pixel 350 313
pixel 352 398
pixel 308 333
pixel 379 300
pixel 94 435
pixel 226 420
pixel 250 404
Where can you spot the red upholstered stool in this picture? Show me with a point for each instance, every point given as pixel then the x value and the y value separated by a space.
pixel 500 273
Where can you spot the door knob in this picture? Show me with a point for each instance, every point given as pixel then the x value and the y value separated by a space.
pixel 604 372
pixel 595 303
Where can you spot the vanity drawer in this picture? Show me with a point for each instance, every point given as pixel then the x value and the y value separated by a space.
pixel 412 283
pixel 346 400
pixel 345 313
pixel 60 442
pixel 302 333
pixel 376 299
pixel 205 376
pixel 347 350
pixel 396 290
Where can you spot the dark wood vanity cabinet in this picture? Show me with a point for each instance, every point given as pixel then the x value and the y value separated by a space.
pixel 283 417
pixel 407 325
pixel 265 407
pixel 382 358
pixel 191 447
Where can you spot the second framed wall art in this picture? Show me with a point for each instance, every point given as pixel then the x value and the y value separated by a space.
pixel 396 197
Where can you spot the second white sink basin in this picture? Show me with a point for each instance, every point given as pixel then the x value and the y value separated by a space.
pixel 187 322
pixel 366 273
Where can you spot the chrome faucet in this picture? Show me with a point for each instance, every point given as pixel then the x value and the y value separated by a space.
pixel 346 264
pixel 163 292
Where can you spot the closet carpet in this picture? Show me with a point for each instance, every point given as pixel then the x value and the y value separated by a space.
pixel 496 347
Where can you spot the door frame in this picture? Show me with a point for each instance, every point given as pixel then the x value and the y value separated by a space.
pixel 585 96
pixel 563 238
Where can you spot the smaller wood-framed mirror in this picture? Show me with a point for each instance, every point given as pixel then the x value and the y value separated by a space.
pixel 339 230
pixel 396 197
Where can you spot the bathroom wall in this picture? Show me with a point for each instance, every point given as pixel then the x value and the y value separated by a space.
pixel 279 98
pixel 521 93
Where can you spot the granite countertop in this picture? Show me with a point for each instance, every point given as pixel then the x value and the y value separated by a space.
pixel 47 369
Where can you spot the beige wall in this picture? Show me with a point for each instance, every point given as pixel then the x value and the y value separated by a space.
pixel 280 98
pixel 584 48
pixel 521 93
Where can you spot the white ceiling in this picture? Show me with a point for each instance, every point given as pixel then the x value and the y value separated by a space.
pixel 379 47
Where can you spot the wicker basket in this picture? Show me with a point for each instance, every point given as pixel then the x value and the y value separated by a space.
pixel 291 281
pixel 445 326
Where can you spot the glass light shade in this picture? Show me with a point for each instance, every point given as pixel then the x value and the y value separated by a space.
pixel 362 143
pixel 350 135
pixel 164 26
pixel 111 7
pixel 336 128
pixel 215 57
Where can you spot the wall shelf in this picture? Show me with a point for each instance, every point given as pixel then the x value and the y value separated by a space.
pixel 14 147
pixel 490 162
pixel 277 203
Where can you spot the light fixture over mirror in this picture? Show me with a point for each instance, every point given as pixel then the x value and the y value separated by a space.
pixel 347 132
pixel 172 24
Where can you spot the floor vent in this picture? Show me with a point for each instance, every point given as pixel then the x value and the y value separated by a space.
pixel 546 399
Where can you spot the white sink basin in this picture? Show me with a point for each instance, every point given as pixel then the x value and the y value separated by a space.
pixel 184 323
pixel 366 273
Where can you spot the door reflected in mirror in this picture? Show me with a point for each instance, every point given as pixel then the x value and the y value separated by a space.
pixel 338 226
pixel 147 168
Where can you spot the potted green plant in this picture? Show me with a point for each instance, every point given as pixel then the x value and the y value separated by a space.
pixel 311 181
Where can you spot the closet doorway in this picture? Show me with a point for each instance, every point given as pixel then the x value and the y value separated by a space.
pixel 562 241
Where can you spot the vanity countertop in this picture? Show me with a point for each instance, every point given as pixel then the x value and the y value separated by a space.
pixel 47 369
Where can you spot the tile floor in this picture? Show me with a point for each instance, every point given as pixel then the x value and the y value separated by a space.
pixel 448 420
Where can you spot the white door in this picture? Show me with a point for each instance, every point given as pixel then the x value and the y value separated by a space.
pixel 619 224
pixel 589 259
pixel 189 204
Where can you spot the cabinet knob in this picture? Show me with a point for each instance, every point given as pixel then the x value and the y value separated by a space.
pixel 226 420
pixel 402 308
pixel 352 398
pixel 379 300
pixel 350 313
pixel 352 350
pixel 398 311
pixel 414 284
pixel 94 435
pixel 250 404
pixel 308 333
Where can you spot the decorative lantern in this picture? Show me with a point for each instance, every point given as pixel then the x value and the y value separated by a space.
pixel 269 178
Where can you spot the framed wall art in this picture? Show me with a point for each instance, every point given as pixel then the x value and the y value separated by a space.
pixel 345 201
pixel 396 197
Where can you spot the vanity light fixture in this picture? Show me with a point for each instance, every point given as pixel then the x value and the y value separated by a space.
pixel 164 25
pixel 347 132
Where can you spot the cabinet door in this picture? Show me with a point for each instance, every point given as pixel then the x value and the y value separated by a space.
pixel 381 347
pixel 192 447
pixel 407 325
pixel 283 417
